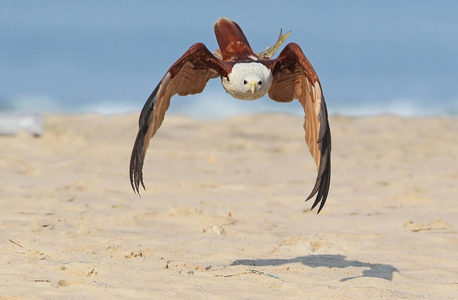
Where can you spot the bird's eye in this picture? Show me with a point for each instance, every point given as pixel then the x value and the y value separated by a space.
pixel 260 82
pixel 245 82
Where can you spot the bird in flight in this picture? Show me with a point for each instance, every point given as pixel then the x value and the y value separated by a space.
pixel 248 76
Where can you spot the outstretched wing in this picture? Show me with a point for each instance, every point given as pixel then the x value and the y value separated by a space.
pixel 295 78
pixel 188 75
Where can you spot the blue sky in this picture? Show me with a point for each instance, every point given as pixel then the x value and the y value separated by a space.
pixel 371 56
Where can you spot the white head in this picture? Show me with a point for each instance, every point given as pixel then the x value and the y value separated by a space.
pixel 248 81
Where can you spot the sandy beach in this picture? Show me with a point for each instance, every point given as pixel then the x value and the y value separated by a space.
pixel 224 217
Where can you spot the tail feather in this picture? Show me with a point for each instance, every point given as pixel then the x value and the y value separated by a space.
pixel 232 42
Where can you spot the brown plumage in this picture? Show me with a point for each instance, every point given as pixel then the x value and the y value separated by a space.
pixel 289 76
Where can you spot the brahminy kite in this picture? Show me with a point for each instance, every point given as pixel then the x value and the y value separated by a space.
pixel 248 76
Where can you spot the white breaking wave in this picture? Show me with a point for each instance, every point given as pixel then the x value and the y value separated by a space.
pixel 400 107
pixel 217 105
pixel 221 105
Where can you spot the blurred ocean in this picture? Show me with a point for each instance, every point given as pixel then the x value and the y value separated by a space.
pixel 373 57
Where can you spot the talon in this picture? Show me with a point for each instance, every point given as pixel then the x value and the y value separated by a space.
pixel 269 52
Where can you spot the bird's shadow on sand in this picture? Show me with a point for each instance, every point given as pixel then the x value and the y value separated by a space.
pixel 327 260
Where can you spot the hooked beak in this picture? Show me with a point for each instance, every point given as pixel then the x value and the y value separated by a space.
pixel 253 86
